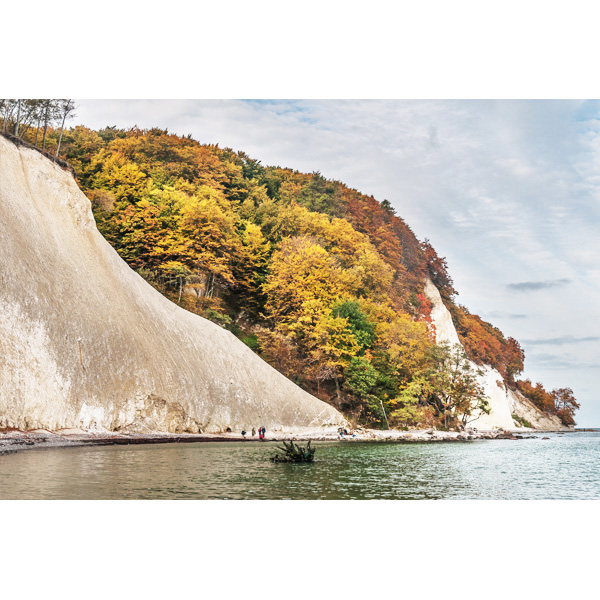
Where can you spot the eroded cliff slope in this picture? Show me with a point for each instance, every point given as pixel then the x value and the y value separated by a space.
pixel 86 342
pixel 504 402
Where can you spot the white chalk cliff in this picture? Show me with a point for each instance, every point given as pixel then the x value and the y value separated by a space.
pixel 85 342
pixel 504 402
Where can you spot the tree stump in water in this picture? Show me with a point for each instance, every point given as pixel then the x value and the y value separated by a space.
pixel 293 453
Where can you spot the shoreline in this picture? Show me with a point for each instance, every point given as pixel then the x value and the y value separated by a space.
pixel 12 441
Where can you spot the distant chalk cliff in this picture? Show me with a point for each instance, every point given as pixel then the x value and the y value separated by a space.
pixel 504 402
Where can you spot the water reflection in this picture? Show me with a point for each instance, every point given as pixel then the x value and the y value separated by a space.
pixel 562 467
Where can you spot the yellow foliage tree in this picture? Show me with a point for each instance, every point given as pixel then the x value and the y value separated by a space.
pixel 250 266
pixel 407 344
pixel 123 177
pixel 208 225
pixel 301 271
pixel 369 273
pixel 304 283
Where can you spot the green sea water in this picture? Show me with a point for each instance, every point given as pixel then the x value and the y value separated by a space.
pixel 564 467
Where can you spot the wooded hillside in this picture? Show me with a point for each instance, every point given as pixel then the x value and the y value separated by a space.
pixel 323 282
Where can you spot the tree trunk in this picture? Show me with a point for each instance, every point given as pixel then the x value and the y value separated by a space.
pixel 37 131
pixel 62 126
pixel 337 388
pixel 18 118
pixel 45 124
pixel 384 415
pixel 210 285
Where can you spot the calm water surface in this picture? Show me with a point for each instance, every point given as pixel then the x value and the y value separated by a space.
pixel 564 467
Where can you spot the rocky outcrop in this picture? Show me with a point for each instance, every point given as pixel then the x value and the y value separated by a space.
pixel 504 402
pixel 85 342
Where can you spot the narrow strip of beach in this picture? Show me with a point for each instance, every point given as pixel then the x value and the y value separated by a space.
pixel 14 440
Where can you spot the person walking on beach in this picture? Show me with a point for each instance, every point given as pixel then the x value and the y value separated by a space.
pixel 261 433
pixel 253 432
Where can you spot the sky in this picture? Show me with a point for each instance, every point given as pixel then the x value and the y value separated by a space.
pixel 508 191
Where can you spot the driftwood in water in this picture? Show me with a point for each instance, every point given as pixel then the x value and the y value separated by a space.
pixel 293 453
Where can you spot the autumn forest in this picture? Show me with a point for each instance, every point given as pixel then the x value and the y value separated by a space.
pixel 323 282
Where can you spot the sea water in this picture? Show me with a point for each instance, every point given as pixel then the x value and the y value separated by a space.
pixel 566 466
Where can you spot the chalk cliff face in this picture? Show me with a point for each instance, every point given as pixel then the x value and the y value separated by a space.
pixel 504 402
pixel 525 409
pixel 86 342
